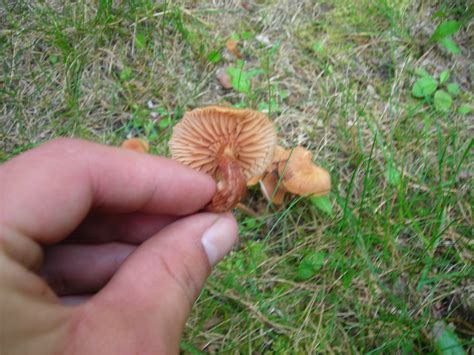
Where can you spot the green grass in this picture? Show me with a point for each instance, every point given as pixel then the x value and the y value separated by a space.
pixel 390 260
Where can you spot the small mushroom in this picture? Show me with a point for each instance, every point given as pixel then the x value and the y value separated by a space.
pixel 233 47
pixel 232 145
pixel 279 154
pixel 298 175
pixel 301 176
pixel 136 144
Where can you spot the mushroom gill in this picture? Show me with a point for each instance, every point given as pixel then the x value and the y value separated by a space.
pixel 231 145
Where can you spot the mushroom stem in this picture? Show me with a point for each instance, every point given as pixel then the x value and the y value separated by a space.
pixel 231 186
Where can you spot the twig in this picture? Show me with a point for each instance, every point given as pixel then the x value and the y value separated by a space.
pixel 247 210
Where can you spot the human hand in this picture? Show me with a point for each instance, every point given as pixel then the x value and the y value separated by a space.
pixel 102 250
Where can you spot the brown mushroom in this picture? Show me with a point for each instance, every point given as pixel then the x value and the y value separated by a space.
pixel 232 145
pixel 301 176
pixel 233 47
pixel 136 144
pixel 298 175
pixel 279 154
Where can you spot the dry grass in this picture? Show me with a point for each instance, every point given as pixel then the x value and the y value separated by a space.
pixel 397 256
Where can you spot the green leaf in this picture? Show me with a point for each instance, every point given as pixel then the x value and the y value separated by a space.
pixel 421 72
pixel 267 107
pixel 450 45
pixel 263 107
pixel 250 222
pixel 240 79
pixel 444 76
pixel 240 105
pixel 305 272
pixel 392 174
pixel 125 74
pixel 311 264
pixel 140 40
pixel 328 69
pixel 164 122
pixel 214 57
pixel 444 29
pixel 246 35
pixel 284 94
pixel 442 101
pixel 453 89
pixel 322 203
pixel 464 110
pixel 53 58
pixel 254 72
pixel 446 342
pixel 235 37
pixel 318 47
pixel 424 87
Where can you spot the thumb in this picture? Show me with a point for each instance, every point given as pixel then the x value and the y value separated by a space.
pixel 153 291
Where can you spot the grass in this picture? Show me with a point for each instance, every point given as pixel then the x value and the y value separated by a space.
pixel 391 258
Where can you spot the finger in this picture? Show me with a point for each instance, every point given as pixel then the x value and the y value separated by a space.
pixel 157 284
pixel 29 312
pixel 77 269
pixel 131 228
pixel 48 191
pixel 21 249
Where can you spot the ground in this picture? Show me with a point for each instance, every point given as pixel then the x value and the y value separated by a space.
pixel 385 263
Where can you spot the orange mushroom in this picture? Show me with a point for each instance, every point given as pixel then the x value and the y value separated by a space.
pixel 233 47
pixel 254 180
pixel 301 176
pixel 279 154
pixel 298 175
pixel 136 144
pixel 232 145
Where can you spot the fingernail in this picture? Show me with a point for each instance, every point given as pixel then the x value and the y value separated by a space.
pixel 219 238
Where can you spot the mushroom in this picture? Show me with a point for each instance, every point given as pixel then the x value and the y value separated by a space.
pixel 278 155
pixel 298 175
pixel 301 176
pixel 136 144
pixel 254 180
pixel 232 145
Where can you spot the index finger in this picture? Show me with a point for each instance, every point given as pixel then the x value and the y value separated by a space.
pixel 45 193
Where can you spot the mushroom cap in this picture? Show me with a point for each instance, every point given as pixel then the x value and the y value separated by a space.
pixel 136 144
pixel 301 176
pixel 280 154
pixel 205 134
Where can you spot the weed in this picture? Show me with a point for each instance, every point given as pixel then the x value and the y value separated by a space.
pixel 432 90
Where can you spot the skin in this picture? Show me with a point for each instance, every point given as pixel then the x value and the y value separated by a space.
pixel 100 250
